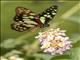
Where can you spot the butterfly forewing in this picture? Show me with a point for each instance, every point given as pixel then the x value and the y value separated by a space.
pixel 47 15
pixel 24 19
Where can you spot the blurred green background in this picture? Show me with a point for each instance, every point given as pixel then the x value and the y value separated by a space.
pixel 24 44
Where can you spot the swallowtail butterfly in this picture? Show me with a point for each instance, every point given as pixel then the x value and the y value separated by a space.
pixel 25 18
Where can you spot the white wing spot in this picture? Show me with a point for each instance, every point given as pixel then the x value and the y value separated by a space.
pixel 53 13
pixel 55 10
pixel 45 15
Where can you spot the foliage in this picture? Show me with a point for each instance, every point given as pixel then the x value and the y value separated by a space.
pixel 25 45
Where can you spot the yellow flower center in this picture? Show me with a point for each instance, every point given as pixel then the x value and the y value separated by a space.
pixel 56 43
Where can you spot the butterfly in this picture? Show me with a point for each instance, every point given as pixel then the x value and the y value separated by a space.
pixel 26 19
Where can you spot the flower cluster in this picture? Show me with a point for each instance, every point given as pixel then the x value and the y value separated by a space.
pixel 54 41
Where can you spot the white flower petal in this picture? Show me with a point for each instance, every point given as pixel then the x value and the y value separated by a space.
pixel 54 41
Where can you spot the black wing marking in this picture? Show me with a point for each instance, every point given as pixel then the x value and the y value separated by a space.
pixel 23 20
pixel 47 15
pixel 22 26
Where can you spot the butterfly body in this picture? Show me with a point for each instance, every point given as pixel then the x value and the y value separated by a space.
pixel 25 18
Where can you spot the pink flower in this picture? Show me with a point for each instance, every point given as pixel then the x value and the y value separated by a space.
pixel 54 41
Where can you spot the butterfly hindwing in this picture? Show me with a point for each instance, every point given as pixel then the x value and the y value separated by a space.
pixel 47 15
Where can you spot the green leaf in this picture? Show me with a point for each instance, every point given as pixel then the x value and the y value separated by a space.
pixel 61 57
pixel 43 56
pixel 75 53
pixel 9 43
